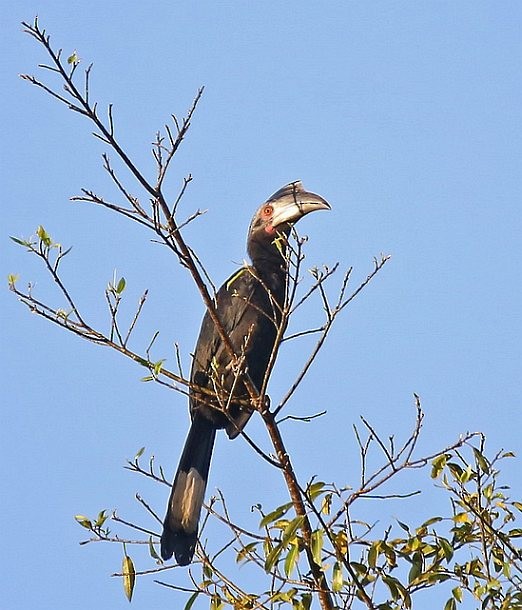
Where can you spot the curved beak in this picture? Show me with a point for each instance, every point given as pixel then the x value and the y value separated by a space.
pixel 292 202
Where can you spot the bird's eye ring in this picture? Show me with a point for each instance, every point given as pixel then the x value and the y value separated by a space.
pixel 267 210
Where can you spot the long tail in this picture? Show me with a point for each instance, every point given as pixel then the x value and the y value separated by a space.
pixel 180 528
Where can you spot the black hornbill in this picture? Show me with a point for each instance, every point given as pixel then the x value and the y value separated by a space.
pixel 249 306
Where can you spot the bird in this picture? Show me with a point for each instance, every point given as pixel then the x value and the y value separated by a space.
pixel 249 307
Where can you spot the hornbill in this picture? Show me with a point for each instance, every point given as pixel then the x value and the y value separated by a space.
pixel 249 306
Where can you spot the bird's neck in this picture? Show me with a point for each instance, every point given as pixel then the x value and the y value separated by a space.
pixel 270 264
pixel 270 267
pixel 268 253
pixel 271 273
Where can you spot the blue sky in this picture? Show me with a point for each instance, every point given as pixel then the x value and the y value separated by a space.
pixel 404 115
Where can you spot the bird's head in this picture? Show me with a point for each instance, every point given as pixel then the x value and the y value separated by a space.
pixel 277 215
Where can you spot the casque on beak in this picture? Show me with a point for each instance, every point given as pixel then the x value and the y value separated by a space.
pixel 292 202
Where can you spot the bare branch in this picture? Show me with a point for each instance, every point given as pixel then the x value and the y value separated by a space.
pixel 148 509
pixel 182 131
pixel 331 316
pixel 141 303
pixel 133 526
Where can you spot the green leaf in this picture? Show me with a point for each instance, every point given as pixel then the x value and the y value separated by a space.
pixel 291 529
pixel 403 526
pixel 416 567
pixel 337 577
pixel 152 551
pixel 397 590
pixel 275 514
pixel 120 287
pixel 326 504
pixel 281 524
pixel 315 489
pixel 517 505
pixel 158 366
pixel 102 517
pixel 462 518
pixel 437 577
pixel 446 548
pixel 373 553
pixel 228 595
pixel 139 453
pixel 205 584
pixel 272 558
pixel 22 242
pixel 267 545
pixel 391 556
pixel 216 603
pixel 467 474
pixel 283 596
pixel 245 551
pixel 44 237
pixel 278 243
pixel 391 583
pixel 481 461
pixel 360 568
pixel 191 601
pixel 515 533
pixel 431 521
pixel 74 59
pixel 84 521
pixel 291 559
pixel 450 604
pixel 289 594
pixel 12 278
pixel 129 576
pixel 306 600
pixel 437 465
pixel 456 470
pixel 341 542
pixel 488 491
pixel 317 545
pixel 457 594
pixel 207 571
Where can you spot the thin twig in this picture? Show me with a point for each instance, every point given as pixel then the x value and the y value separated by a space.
pixel 141 303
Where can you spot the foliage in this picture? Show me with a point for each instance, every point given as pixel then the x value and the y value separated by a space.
pixel 314 545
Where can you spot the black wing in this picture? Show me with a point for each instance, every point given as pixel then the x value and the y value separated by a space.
pixel 250 312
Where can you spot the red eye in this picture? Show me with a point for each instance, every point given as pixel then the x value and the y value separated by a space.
pixel 267 210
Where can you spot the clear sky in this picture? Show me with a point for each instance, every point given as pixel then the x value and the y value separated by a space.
pixel 405 116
